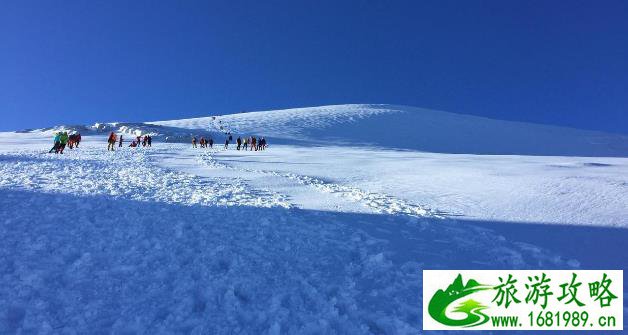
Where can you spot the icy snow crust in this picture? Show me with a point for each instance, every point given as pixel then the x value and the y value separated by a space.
pixel 308 237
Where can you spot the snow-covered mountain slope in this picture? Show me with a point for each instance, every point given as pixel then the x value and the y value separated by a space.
pixel 411 128
pixel 325 232
pixel 348 147
pixel 385 126
pixel 172 239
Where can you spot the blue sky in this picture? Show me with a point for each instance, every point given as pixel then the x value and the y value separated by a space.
pixel 75 62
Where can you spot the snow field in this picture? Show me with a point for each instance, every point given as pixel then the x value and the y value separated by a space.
pixel 111 242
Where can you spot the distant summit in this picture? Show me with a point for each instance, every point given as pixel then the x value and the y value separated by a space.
pixel 412 128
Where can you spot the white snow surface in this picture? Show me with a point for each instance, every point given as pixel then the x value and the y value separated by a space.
pixel 403 127
pixel 325 232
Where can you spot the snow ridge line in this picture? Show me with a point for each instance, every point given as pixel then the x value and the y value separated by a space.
pixel 379 203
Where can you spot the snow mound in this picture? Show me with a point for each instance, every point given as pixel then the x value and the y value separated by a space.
pixel 403 127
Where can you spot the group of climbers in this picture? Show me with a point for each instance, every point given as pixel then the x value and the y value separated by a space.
pixel 203 142
pixel 61 139
pixel 145 141
pixel 247 143
pixel 242 143
pixel 251 143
